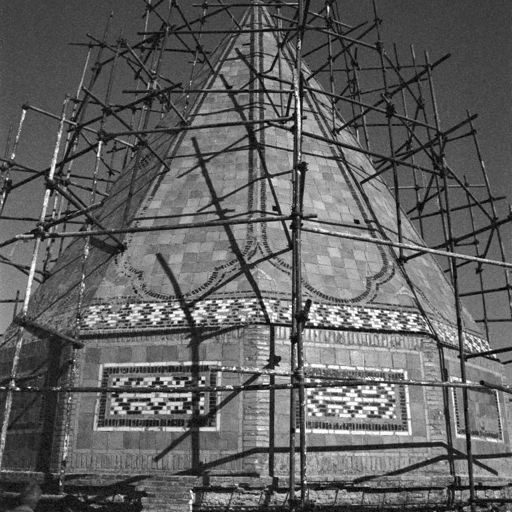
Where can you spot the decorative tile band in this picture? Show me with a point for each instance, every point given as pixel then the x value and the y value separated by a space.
pixel 448 334
pixel 484 415
pixel 157 411
pixel 225 312
pixel 378 409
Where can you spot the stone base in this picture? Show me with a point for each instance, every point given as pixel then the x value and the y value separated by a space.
pixel 210 494
pixel 343 496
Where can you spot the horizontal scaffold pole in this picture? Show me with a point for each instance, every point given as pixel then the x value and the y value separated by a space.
pixel 206 126
pixel 74 125
pixel 487 290
pixel 177 390
pixel 45 331
pixel 144 229
pixel 488 352
pixel 412 247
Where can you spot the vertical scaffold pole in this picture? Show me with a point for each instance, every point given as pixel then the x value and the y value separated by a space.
pixel 390 109
pixel 479 269
pixel 4 170
pixel 454 274
pixel 297 348
pixel 483 171
pixel 30 281
pixel 72 369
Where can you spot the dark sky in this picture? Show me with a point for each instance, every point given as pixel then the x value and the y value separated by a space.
pixel 38 66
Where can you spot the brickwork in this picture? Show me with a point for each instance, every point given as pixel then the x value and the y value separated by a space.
pixel 255 419
pixel 33 428
pixel 182 493
pixel 236 449
pixel 390 492
pixel 147 441
pixel 242 444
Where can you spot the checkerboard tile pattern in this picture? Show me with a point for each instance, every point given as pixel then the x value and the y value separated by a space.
pixel 223 312
pixel 160 411
pixel 484 413
pixel 379 409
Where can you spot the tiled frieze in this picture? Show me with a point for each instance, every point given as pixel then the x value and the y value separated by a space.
pixel 448 334
pixel 379 409
pixel 484 413
pixel 160 411
pixel 223 312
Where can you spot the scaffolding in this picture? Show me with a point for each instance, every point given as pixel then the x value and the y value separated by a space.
pixel 388 102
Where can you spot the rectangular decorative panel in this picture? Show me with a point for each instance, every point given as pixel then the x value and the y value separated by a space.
pixel 374 408
pixel 484 413
pixel 157 410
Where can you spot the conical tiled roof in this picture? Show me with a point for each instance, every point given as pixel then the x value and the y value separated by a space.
pixel 240 167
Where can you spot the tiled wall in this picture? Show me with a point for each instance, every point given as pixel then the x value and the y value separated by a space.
pixel 134 432
pixel 398 425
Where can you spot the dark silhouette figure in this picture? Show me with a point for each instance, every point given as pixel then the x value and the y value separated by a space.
pixel 29 498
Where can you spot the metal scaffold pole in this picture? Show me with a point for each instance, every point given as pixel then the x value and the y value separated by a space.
pixel 298 314
pixel 30 281
pixel 458 309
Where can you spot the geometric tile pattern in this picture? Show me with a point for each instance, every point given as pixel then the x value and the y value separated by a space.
pixel 379 409
pixel 363 402
pixel 484 413
pixel 448 334
pixel 129 404
pixel 158 411
pixel 224 312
